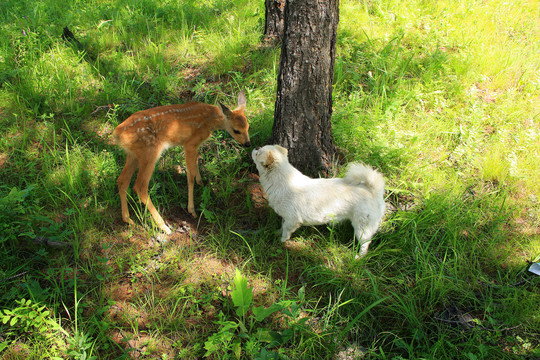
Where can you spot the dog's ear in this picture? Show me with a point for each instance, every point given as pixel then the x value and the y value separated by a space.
pixel 269 161
pixel 282 150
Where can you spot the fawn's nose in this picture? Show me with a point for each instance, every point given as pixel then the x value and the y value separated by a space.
pixel 247 144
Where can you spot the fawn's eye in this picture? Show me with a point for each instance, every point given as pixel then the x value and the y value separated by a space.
pixel 236 131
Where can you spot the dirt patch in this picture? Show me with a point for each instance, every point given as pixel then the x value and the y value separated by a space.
pixel 206 268
pixel 127 314
pixel 258 197
pixel 143 346
pixel 257 208
pixel 482 92
pixel 3 159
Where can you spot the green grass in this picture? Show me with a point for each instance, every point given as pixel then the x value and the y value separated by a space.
pixel 441 96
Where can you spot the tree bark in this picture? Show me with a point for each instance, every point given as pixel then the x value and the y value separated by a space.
pixel 274 22
pixel 303 111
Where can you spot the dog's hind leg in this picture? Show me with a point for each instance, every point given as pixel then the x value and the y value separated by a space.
pixel 287 228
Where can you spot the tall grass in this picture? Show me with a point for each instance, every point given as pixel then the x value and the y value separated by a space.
pixel 442 97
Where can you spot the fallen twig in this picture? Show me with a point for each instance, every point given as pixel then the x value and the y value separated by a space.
pixel 99 108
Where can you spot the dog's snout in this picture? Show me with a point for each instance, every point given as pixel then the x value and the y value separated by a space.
pixel 257 148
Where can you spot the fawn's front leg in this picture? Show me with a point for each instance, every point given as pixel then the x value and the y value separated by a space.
pixel 193 174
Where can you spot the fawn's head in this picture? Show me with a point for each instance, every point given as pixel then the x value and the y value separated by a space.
pixel 236 122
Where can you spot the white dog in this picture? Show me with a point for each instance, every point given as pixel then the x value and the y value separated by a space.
pixel 301 200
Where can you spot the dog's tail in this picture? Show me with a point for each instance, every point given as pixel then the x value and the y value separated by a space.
pixel 358 174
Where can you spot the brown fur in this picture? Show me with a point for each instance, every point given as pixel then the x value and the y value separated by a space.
pixel 146 134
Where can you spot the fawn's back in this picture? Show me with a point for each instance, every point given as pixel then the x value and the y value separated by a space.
pixel 166 126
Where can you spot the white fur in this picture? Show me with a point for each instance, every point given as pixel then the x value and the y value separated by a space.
pixel 301 200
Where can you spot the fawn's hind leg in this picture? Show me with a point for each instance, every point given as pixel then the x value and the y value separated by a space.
pixel 123 183
pixel 146 169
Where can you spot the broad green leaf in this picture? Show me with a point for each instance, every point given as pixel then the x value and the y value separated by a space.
pixel 263 335
pixel 237 348
pixel 276 337
pixel 242 297
pixel 262 313
pixel 286 303
pixel 286 335
pixel 242 327
pixel 302 293
pixel 267 355
pixel 220 339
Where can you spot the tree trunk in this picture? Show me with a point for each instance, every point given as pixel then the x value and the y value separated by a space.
pixel 302 118
pixel 273 25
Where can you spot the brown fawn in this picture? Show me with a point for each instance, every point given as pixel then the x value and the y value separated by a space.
pixel 146 134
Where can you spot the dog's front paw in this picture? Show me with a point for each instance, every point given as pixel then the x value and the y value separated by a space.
pixel 287 229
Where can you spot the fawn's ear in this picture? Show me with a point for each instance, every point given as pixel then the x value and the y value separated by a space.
pixel 226 111
pixel 241 102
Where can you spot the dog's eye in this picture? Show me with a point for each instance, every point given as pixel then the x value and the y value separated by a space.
pixel 236 131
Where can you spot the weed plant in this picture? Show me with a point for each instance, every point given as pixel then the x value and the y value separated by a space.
pixel 441 97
